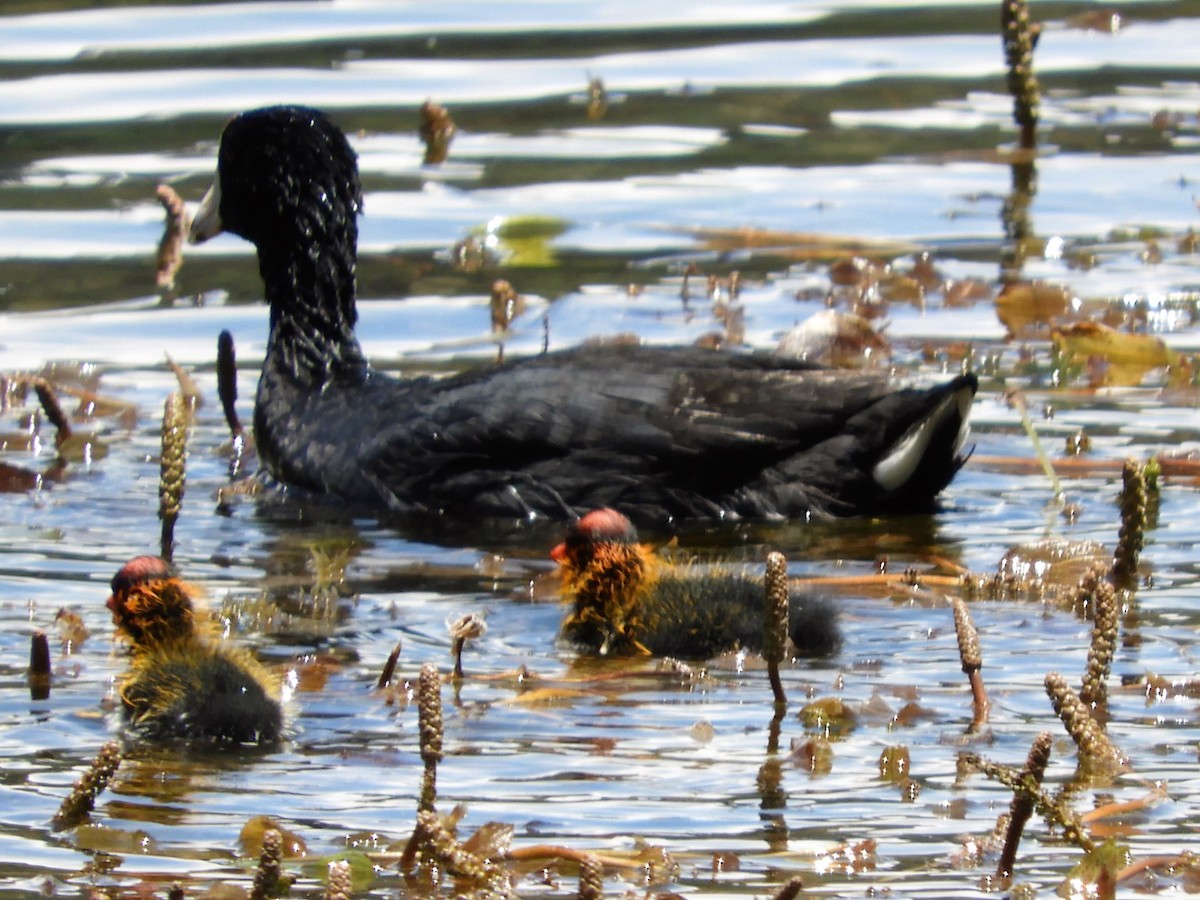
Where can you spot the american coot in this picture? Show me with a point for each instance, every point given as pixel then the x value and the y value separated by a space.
pixel 184 684
pixel 660 433
pixel 627 599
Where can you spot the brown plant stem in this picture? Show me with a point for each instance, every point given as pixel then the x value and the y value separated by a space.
pixel 972 660
pixel 1023 802
pixel 775 622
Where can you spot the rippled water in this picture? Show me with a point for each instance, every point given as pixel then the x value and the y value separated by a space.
pixel 768 139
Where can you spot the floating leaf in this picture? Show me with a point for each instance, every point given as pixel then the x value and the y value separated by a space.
pixel 362 870
pixel 1128 356
pixel 1026 308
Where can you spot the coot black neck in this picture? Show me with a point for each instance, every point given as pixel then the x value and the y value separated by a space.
pixel 310 287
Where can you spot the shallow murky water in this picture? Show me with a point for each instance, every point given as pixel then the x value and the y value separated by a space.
pixel 773 140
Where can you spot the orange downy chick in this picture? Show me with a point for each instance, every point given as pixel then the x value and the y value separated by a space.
pixel 183 683
pixel 627 599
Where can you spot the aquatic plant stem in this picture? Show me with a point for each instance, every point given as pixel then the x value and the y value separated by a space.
pixel 1022 803
pixel 1018 400
pixel 775 622
pixel 1132 536
pixel 83 796
pixel 429 715
pixel 172 477
pixel 39 666
pixel 268 875
pixel 972 661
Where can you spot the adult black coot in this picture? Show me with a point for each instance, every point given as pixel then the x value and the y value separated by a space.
pixel 660 433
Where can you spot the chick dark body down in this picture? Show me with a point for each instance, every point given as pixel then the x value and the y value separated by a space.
pixel 663 433
pixel 183 684
pixel 627 599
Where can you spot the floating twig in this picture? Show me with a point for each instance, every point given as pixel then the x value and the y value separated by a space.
pixel 972 660
pixel 1023 802
pixel 82 798
pixel 775 621
pixel 39 666
pixel 173 470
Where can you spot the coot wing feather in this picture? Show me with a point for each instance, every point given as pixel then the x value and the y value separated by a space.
pixel 684 423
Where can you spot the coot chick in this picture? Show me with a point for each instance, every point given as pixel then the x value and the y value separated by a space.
pixel 628 600
pixel 662 433
pixel 183 683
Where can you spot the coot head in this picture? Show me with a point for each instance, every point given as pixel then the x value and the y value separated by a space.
pixel 583 536
pixel 286 176
pixel 149 604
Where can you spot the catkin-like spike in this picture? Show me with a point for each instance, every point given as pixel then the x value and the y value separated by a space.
pixel 1105 622
pixel 968 637
pixel 971 658
pixel 389 668
pixel 429 726
pixel 170 248
pixel 39 666
pixel 775 620
pixel 173 469
pixel 1023 802
pixel 338 886
pixel 266 877
pixel 591 878
pixel 52 408
pixel 82 798
pixel 1132 536
pixel 790 890
pixel 1094 745
pixel 437 131
pixel 1020 37
pixel 227 381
